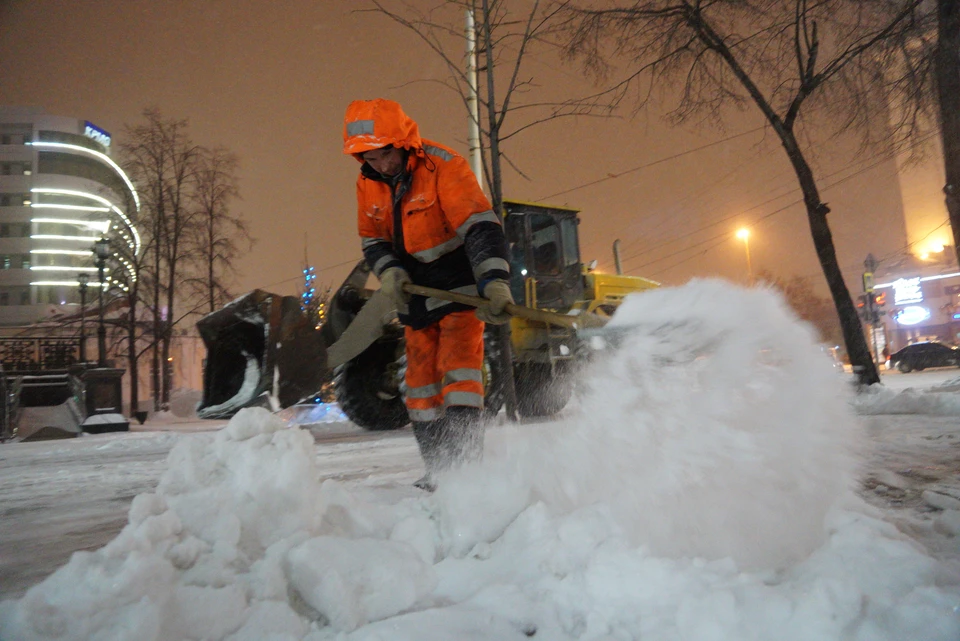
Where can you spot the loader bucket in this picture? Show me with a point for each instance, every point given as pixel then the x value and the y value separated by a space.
pixel 261 351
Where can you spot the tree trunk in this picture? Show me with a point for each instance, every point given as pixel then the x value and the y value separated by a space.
pixel 947 71
pixel 155 351
pixel 857 348
pixel 496 195
pixel 165 363
pixel 132 358
pixel 155 368
pixel 211 290
pixel 168 335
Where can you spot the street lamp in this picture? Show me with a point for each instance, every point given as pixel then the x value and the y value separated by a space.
pixel 744 234
pixel 101 250
pixel 83 279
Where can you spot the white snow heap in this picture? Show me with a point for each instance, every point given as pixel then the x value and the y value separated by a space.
pixel 703 434
pixel 701 493
pixel 941 400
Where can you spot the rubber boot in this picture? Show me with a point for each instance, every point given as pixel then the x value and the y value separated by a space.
pixel 429 439
pixel 453 440
pixel 463 435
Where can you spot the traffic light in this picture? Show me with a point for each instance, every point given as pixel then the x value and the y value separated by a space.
pixel 879 302
pixel 863 306
pixel 870 307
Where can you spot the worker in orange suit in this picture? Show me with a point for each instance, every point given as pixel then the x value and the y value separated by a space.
pixel 424 219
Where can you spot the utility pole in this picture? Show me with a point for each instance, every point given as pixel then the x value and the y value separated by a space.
pixel 473 103
pixel 496 199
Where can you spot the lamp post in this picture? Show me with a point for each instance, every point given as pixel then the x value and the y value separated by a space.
pixel 101 250
pixel 83 279
pixel 744 234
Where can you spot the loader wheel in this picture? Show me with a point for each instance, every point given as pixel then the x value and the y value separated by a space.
pixel 540 393
pixel 367 388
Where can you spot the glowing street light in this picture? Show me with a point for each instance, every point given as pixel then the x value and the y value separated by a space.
pixel 744 234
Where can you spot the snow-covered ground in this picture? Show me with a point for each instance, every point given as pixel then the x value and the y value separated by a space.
pixel 716 481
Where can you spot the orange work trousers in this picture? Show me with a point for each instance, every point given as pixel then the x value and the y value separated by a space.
pixel 444 366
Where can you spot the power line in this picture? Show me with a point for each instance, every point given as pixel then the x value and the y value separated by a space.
pixel 722 237
pixel 611 176
pixel 862 170
pixel 673 210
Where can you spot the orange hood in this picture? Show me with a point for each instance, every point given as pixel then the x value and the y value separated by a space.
pixel 372 124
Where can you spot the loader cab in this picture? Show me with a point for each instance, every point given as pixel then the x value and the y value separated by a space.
pixel 545 268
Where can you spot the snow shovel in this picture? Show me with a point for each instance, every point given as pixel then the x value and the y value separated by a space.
pixel 368 325
pixel 581 321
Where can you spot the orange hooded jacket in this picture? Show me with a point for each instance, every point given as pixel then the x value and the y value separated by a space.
pixel 433 220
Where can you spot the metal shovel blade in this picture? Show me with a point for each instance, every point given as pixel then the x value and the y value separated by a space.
pixel 366 327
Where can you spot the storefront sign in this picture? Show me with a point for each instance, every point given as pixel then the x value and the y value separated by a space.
pixel 912 315
pixel 96 133
pixel 907 290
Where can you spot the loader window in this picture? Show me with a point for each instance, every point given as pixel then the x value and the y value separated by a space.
pixel 545 242
pixel 571 253
pixel 546 258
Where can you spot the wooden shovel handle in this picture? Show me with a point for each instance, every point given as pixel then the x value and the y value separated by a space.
pixel 520 311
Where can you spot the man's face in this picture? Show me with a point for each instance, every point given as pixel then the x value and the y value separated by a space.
pixel 388 161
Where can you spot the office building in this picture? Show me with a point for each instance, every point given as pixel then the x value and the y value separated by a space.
pixel 60 191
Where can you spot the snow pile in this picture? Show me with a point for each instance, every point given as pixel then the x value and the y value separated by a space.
pixel 941 400
pixel 701 494
pixel 735 430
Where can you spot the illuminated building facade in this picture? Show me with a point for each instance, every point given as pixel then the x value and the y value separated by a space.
pixel 921 300
pixel 919 285
pixel 59 192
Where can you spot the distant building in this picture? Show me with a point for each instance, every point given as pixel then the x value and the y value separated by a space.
pixel 59 192
pixel 921 299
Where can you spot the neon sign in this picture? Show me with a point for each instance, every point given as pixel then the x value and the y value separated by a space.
pixel 913 315
pixel 907 290
pixel 96 133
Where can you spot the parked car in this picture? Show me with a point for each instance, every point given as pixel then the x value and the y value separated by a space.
pixel 920 356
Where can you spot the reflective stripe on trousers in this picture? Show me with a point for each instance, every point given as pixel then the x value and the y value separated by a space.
pixel 444 365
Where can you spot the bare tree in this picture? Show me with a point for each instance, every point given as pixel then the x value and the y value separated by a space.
pixel 130 280
pixel 161 159
pixel 220 235
pixel 789 58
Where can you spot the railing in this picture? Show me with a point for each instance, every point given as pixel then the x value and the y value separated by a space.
pixel 33 354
